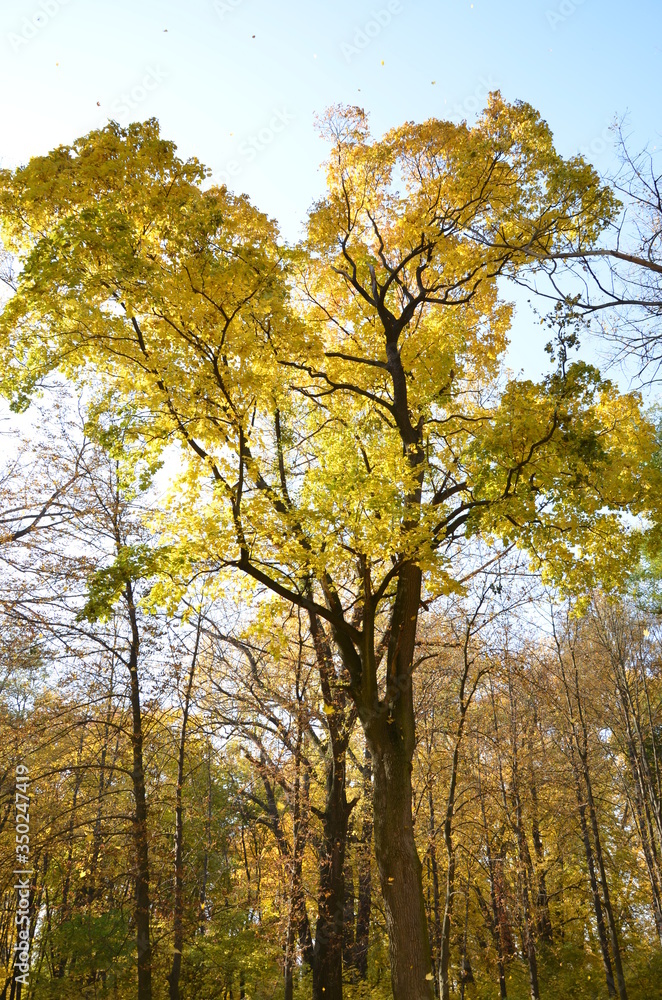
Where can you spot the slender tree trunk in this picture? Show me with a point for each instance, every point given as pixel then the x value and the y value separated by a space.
pixel 647 846
pixel 65 909
pixel 104 782
pixel 445 954
pixel 575 752
pixel 611 922
pixel 445 951
pixel 523 855
pixel 364 869
pixel 494 899
pixel 203 916
pixel 595 893
pixel 436 900
pixel 466 972
pixel 582 748
pixel 542 900
pixel 142 903
pixel 349 920
pixel 178 906
pixel 296 859
pixel 580 736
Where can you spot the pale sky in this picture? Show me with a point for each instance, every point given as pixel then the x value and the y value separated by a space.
pixel 237 83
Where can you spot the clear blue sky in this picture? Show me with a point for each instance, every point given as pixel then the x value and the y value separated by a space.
pixel 238 82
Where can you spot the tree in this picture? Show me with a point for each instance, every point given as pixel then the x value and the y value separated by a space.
pixel 618 281
pixel 342 398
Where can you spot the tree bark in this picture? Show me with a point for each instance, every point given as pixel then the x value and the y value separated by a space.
pixel 328 949
pixel 178 906
pixel 494 898
pixel 434 872
pixel 579 728
pixel 141 847
pixel 524 855
pixel 400 871
pixel 364 875
pixel 389 726
pixel 595 893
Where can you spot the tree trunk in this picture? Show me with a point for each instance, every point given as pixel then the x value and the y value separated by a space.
pixel 327 967
pixel 178 907
pixel 545 929
pixel 595 893
pixel 364 870
pixel 575 749
pixel 400 868
pixel 580 737
pixel 434 866
pixel 141 847
pixel 445 954
pixel 466 972
pixel 613 934
pixel 203 915
pixel 494 898
pixel 524 854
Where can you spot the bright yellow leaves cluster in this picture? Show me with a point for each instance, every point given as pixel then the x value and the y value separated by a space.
pixel 346 397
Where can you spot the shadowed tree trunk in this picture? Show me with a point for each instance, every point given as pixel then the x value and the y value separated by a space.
pixel 494 897
pixel 178 907
pixel 356 960
pixel 579 730
pixel 142 905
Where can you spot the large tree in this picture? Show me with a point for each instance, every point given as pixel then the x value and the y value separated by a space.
pixel 347 399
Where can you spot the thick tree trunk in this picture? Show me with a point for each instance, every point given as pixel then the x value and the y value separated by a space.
pixel 400 868
pixel 142 906
pixel 329 930
pixel 327 967
pixel 389 726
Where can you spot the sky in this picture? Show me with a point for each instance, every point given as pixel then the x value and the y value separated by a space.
pixel 238 83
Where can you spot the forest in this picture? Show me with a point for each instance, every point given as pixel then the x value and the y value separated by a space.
pixel 331 646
